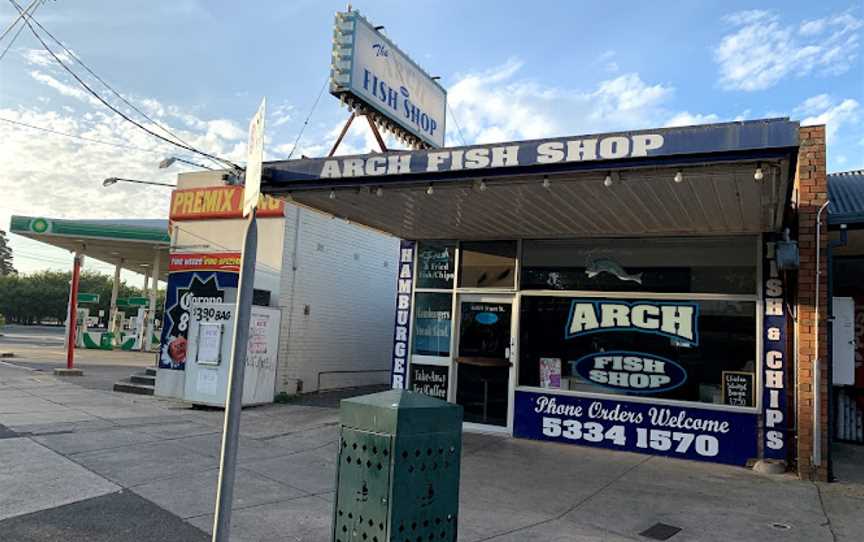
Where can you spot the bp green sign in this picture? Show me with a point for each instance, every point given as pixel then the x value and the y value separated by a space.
pixel 84 297
pixel 133 302
pixel 39 225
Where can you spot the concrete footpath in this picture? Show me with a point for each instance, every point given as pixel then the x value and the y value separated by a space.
pixel 80 464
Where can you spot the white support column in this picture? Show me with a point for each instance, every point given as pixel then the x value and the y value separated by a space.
pixel 112 313
pixel 151 313
pixel 146 283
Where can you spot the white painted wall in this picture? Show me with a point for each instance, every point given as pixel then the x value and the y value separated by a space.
pixel 338 299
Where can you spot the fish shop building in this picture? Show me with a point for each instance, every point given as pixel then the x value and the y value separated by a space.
pixel 651 291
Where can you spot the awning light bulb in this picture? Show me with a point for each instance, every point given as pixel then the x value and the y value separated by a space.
pixel 758 175
pixel 679 177
pixel 332 194
pixel 607 182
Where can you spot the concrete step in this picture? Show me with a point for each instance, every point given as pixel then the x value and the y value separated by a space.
pixel 143 378
pixel 151 371
pixel 127 386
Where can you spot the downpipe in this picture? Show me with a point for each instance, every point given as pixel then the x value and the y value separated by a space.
pixel 817 369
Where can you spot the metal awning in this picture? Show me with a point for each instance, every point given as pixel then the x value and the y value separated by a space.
pixel 135 242
pixel 846 194
pixel 680 181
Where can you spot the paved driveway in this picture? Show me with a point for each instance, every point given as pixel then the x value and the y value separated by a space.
pixel 83 464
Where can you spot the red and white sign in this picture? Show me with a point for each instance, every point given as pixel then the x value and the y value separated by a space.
pixel 210 261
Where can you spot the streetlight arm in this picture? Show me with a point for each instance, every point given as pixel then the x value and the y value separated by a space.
pixel 168 162
pixel 113 180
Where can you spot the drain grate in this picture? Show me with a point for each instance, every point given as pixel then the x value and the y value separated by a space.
pixel 660 531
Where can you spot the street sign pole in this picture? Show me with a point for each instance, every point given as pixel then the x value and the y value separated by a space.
pixel 234 398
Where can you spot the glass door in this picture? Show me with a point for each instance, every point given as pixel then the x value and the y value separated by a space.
pixel 483 358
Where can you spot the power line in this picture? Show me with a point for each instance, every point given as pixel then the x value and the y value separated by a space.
pixel 77 59
pixel 126 117
pixel 18 18
pixel 37 3
pixel 456 122
pixel 64 134
pixel 309 116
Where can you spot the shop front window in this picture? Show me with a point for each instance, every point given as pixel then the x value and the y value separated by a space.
pixel 689 350
pixel 718 265
pixel 432 319
pixel 436 264
pixel 487 264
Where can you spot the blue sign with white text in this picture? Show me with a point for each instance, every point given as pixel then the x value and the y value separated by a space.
pixel 774 401
pixel 542 155
pixel 630 372
pixel 687 433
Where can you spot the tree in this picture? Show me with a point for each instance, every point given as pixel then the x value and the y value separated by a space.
pixel 5 256
pixel 30 299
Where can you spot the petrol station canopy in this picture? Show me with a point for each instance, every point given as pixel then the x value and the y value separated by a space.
pixel 716 179
pixel 131 243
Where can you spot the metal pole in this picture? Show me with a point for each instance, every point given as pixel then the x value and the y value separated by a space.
pixel 817 369
pixel 112 313
pixel 234 399
pixel 73 311
pixel 341 135
pixel 151 312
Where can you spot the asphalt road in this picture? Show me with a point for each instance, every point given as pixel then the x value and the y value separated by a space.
pixel 41 349
pixel 31 336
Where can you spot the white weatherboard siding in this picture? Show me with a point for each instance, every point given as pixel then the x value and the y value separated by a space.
pixel 338 300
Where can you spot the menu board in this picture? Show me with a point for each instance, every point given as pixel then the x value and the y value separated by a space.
pixel 738 388
pixel 430 380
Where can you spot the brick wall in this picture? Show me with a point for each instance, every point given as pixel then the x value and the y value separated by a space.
pixel 338 300
pixel 812 187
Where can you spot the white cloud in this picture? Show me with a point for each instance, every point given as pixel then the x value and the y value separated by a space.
pixel 42 58
pixel 813 104
pixel 686 118
pixel 497 105
pixel 56 176
pixel 282 114
pixel 833 114
pixel 607 62
pixel 63 88
pixel 761 50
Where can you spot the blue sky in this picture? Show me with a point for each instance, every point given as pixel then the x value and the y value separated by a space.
pixel 513 70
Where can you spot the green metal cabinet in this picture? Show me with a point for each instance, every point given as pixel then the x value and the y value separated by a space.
pixel 397 477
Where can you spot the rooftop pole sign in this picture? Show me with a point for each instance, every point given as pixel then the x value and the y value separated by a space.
pixel 374 77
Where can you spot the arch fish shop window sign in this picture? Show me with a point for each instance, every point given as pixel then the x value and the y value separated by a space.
pixel 774 400
pixel 404 284
pixel 620 359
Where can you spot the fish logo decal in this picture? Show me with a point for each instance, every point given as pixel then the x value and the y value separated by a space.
pixel 605 265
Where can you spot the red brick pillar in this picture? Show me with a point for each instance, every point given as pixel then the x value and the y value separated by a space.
pixel 812 187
